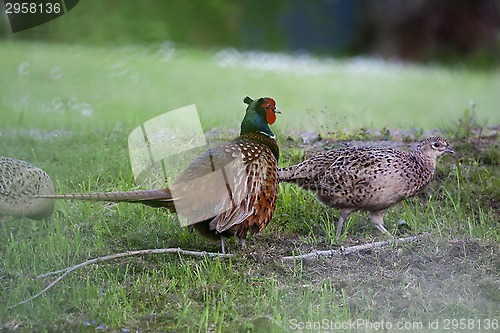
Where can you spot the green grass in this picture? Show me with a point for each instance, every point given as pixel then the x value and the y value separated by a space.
pixel 453 274
pixel 128 85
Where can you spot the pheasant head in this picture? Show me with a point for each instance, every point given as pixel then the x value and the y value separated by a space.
pixel 259 115
pixel 434 147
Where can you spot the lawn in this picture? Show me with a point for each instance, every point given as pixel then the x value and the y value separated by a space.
pixel 69 109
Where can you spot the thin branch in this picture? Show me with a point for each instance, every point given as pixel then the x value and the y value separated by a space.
pixel 356 248
pixel 135 253
pixel 312 255
pixel 68 270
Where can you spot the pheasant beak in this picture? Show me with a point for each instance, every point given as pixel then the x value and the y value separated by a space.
pixel 450 150
pixel 277 110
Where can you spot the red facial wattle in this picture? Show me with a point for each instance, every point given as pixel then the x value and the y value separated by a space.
pixel 269 105
pixel 270 116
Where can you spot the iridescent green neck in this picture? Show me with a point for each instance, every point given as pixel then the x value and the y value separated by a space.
pixel 255 123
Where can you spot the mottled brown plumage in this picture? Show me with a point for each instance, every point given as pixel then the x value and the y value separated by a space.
pixel 370 179
pixel 228 190
pixel 19 183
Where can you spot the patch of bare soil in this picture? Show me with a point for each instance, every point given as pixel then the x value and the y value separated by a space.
pixel 433 278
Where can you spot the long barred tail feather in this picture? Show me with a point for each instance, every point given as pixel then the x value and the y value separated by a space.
pixel 153 198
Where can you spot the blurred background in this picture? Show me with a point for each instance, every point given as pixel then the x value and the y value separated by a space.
pixel 417 30
pixel 344 64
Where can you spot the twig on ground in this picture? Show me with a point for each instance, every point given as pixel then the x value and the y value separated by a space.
pixel 68 270
pixel 356 248
pixel 312 255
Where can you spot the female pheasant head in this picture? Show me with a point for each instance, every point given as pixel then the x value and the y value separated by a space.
pixel 434 147
pixel 259 115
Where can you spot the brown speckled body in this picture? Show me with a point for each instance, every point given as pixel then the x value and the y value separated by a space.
pixel 370 179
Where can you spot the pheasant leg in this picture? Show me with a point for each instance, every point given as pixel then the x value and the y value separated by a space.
pixel 344 213
pixel 378 221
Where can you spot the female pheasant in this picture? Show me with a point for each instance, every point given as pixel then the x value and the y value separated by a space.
pixel 370 179
pixel 227 190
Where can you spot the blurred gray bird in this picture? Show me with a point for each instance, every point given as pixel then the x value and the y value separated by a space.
pixel 20 185
pixel 370 179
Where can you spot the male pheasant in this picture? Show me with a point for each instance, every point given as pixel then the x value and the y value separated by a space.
pixel 227 190
pixel 370 179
